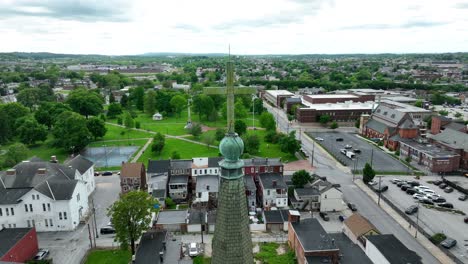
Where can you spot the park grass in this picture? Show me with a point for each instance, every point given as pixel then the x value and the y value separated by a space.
pixel 121 133
pixel 268 254
pixel 109 257
pixel 186 150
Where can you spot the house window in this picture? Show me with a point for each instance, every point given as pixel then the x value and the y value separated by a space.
pixel 1 212
pixel 29 223
pixel 60 216
pixel 34 197
pixel 51 223
pixel 13 211
pixel 195 172
pixel 48 207
pixel 78 197
pixel 268 192
pixel 14 225
pixel 43 207
pixel 46 223
pixel 65 215
pixel 33 222
pixel 216 170
pixel 252 169
pixel 7 212
pixel 9 225
pixel 26 207
pixel 205 171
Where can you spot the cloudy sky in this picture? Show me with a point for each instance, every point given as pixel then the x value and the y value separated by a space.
pixel 121 27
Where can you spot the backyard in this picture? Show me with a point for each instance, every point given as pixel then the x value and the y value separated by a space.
pixel 109 257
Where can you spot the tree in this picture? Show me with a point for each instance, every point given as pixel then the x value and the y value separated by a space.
pixel 418 103
pixel 30 97
pixel 368 173
pixel 150 103
pixel 114 110
pixel 124 100
pixel 324 119
pixel 47 112
pixel 251 143
pixel 70 132
pixel 258 106
pixel 131 216
pixel 175 155
pixel 240 127
pixel 178 103
pixel 208 139
pixel 29 130
pixel 128 120
pixel 195 130
pixel 300 178
pixel 158 143
pixel 111 98
pixel 138 97
pixel 220 132
pixel 289 144
pixel 443 112
pixel 6 127
pixel 239 109
pixel 15 154
pixel 334 125
pixel 96 127
pixel 458 115
pixel 85 102
pixel 267 121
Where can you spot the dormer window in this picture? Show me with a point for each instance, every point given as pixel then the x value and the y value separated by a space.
pixel 385 113
pixel 392 116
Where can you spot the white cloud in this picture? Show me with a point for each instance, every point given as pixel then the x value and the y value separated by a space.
pixel 251 27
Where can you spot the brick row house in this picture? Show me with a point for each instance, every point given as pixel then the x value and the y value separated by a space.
pixel 133 177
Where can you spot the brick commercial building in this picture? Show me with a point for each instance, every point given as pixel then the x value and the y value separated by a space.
pixel 440 123
pixel 340 112
pixel 18 244
pixel 277 97
pixel 337 98
pixel 436 159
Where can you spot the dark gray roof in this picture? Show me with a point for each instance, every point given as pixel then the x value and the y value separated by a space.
pixel 312 235
pixel 318 259
pixel 376 125
pixel 57 189
pixel 276 216
pixel 408 123
pixel 452 138
pixel 249 182
pixel 263 162
pixel 293 100
pixel 168 217
pixel 181 164
pixel 388 113
pixel 307 191
pixel 158 166
pixel 151 243
pixel 213 161
pixel 11 196
pixel 430 150
pixel 178 179
pixel 203 181
pixel 350 253
pixel 455 126
pixel 211 217
pixel 159 193
pixel 80 163
pixel 268 180
pixel 393 250
pixel 196 217
pixel 9 237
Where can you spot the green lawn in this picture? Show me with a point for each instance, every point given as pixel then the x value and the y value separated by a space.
pixel 120 133
pixel 268 254
pixel 186 150
pixel 109 257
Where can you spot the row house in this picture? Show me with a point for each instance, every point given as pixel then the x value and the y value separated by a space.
pixel 321 196
pixel 257 166
pixel 133 177
pixel 273 191
pixel 46 195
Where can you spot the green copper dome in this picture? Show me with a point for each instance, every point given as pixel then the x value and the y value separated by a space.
pixel 231 147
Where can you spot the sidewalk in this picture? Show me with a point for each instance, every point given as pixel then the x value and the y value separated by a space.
pixel 434 250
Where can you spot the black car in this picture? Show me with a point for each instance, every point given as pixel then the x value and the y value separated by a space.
pixel 427 201
pixel 356 150
pixel 448 243
pixel 448 190
pixel 414 183
pixel 437 182
pixel 399 184
pixel 410 191
pixel 442 185
pixel 446 205
pixel 405 187
pixel 341 218
pixel 96 173
pixel 381 188
pixel 339 139
pixel 107 173
pixel 463 197
pixel 352 207
pixel 107 230
pixel 324 216
pixel 439 200
pixel 411 210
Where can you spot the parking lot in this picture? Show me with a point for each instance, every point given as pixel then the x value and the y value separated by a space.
pixel 381 161
pixel 432 220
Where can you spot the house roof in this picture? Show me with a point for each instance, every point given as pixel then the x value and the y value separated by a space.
pixel 276 216
pixel 350 253
pixel 80 163
pixel 57 189
pixel 9 237
pixel 407 124
pixel 272 181
pixel 263 162
pixel 196 217
pixel 312 235
pixel 181 164
pixel 158 193
pixel 11 196
pixel 455 126
pixel 178 179
pixel 301 192
pixel 393 250
pixel 168 217
pixel 151 243
pixel 207 181
pixel 213 161
pixel 358 224
pixel 453 139
pixel 132 169
pixel 376 125
pixel 388 113
pixel 211 217
pixel 249 182
pixel 158 166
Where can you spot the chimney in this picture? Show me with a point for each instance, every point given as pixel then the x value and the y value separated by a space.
pixel 294 216
pixel 53 159
pixel 274 183
pixel 41 171
pixel 11 172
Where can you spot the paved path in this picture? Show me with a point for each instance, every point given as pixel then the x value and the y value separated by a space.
pixel 142 150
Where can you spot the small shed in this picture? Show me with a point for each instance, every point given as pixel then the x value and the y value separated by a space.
pixel 157 116
pixel 276 220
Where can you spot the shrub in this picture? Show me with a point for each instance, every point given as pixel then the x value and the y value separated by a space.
pixel 437 238
pixel 137 125
pixel 119 120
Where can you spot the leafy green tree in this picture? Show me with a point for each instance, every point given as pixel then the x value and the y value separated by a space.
pixel 6 127
pixel 240 127
pixel 85 102
pixel 111 98
pixel 368 173
pixel 300 178
pixel 131 216
pixel 128 120
pixel 47 112
pixel 289 144
pixel 175 155
pixel 195 130
pixel 418 103
pixel 96 127
pixel 114 110
pixel 239 109
pixel 251 143
pixel 29 130
pixel 271 137
pixel 178 103
pixel 208 139
pixel 220 132
pixel 30 97
pixel 443 112
pixel 70 132
pixel 267 121
pixel 15 154
pixel 138 97
pixel 158 143
pixel 458 115
pixel 150 103
pixel 334 125
pixel 124 101
pixel 324 119
pixel 258 106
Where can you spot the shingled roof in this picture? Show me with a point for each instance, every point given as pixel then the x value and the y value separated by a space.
pixel 80 163
pixel 359 225
pixel 132 169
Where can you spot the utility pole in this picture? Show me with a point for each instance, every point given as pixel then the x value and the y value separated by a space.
pixel 417 222
pixel 380 191
pixel 201 226
pixel 105 153
pixel 89 236
pixel 94 216
pixel 313 150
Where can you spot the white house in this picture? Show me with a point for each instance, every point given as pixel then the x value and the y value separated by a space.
pixel 387 249
pixel 205 166
pixel 274 190
pixel 84 171
pixel 331 200
pixel 47 195
pixel 157 116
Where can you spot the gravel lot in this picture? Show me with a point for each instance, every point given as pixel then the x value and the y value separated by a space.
pixel 432 220
pixel 381 161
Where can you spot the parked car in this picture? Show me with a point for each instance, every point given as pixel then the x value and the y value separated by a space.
pixel 324 216
pixel 358 151
pixel 414 183
pixel 439 200
pixel 381 188
pixel 463 197
pixel 419 196
pixel 442 185
pixel 193 250
pixel 410 191
pixel 395 181
pixel 437 182
pixel 339 139
pixel 422 187
pixel 41 254
pixel 341 218
pixel 448 190
pixel 107 230
pixel 347 146
pixel 411 210
pixel 427 192
pixel 372 182
pixel 405 187
pixel 399 184
pixel 446 205
pixel 343 151
pixel 426 201
pixel 96 173
pixel 107 173
pixel 319 138
pixel 352 207
pixel 465 220
pixel 448 243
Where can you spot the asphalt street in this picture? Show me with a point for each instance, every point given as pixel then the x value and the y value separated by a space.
pixel 336 173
